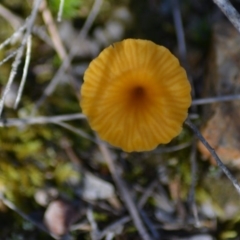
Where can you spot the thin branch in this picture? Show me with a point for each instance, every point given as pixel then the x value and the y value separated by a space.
pixel 11 55
pixel 214 155
pixel 60 11
pixel 67 61
pixel 14 20
pixel 17 61
pixel 171 149
pixel 25 70
pixel 179 31
pixel 10 122
pixel 53 31
pixel 13 73
pixel 124 192
pixel 191 196
pixel 25 216
pixel 13 37
pixel 94 228
pixel 113 226
pixel 76 131
pixel 231 13
pixel 147 193
pixel 215 99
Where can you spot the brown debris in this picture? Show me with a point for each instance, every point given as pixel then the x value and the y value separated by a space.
pixel 222 125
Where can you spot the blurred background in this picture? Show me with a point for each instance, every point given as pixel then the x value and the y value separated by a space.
pixel 55 182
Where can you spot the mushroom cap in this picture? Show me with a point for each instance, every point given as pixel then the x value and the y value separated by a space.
pixel 136 95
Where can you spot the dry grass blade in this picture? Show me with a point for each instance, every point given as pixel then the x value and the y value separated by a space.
pixel 231 13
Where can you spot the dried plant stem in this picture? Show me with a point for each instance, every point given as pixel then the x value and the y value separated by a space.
pixel 53 31
pixel 60 11
pixel 191 195
pixel 125 194
pixel 214 155
pixel 67 61
pixel 11 55
pixel 25 70
pixel 25 216
pixel 17 61
pixel 77 131
pixel 216 99
pixel 10 122
pixel 14 20
pixel 231 13
pixel 179 31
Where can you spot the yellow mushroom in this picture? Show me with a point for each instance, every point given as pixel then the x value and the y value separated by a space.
pixel 136 95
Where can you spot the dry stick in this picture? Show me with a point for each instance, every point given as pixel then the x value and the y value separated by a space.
pixel 182 50
pixel 11 55
pixel 10 122
pixel 30 22
pixel 18 31
pixel 215 99
pixel 15 35
pixel 171 149
pixel 231 13
pixel 126 219
pixel 14 20
pixel 94 228
pixel 52 29
pixel 179 31
pixel 25 216
pixel 67 61
pixel 125 194
pixel 214 155
pixel 25 70
pixel 114 226
pixel 191 196
pixel 76 130
pixel 147 193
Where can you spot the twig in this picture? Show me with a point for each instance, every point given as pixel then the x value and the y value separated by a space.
pixel 231 13
pixel 25 70
pixel 15 35
pixel 125 194
pixel 214 155
pixel 147 193
pixel 39 120
pixel 77 131
pixel 30 22
pixel 14 20
pixel 11 55
pixel 179 31
pixel 52 29
pixel 113 226
pixel 215 99
pixel 191 196
pixel 25 216
pixel 60 11
pixel 94 227
pixel 171 149
pixel 182 50
pixel 67 61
